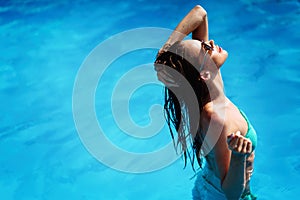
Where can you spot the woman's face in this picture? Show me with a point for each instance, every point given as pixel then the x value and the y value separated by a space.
pixel 217 54
pixel 195 49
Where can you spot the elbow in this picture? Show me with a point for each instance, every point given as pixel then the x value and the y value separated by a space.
pixel 201 12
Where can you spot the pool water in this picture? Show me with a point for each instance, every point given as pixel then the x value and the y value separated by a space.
pixel 44 44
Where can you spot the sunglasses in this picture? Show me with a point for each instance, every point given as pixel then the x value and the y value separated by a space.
pixel 206 46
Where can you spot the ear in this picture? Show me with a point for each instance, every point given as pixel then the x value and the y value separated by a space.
pixel 205 75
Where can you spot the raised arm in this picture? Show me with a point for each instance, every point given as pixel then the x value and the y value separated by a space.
pixel 194 22
pixel 230 154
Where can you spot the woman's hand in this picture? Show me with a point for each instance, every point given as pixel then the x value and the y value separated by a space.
pixel 238 144
pixel 165 48
pixel 194 22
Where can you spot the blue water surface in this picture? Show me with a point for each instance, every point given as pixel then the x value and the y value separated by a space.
pixel 43 45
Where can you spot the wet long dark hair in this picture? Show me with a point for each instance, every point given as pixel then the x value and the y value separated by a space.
pixel 177 109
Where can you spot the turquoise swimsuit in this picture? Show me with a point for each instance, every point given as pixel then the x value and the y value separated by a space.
pixel 251 133
pixel 207 186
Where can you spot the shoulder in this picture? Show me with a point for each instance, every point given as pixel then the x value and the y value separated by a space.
pixel 219 117
pixel 215 126
pixel 214 117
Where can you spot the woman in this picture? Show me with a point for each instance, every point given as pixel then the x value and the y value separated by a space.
pixel 224 139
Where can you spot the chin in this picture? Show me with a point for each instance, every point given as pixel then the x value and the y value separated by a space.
pixel 225 53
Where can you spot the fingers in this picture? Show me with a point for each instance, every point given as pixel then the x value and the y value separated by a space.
pixel 239 144
pixel 159 53
pixel 165 48
pixel 233 140
pixel 248 148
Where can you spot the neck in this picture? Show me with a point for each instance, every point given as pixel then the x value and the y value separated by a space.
pixel 217 102
pixel 216 90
